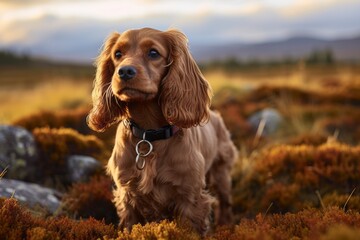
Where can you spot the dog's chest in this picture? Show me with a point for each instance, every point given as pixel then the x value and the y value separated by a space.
pixel 158 204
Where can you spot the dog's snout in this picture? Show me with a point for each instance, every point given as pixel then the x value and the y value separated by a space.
pixel 127 73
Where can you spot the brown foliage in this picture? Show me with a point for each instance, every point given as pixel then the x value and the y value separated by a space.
pixel 308 139
pixel 235 120
pixel 287 177
pixel 348 127
pixel 163 230
pixel 55 145
pixel 307 224
pixel 92 199
pixel 16 223
pixel 345 201
pixel 266 93
pixel 75 119
pixel 331 223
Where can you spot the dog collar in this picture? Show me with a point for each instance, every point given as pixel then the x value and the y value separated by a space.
pixel 151 135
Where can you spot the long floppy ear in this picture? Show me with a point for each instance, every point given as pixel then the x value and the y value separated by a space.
pixel 185 94
pixel 106 108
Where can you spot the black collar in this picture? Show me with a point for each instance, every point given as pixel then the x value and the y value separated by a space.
pixel 151 134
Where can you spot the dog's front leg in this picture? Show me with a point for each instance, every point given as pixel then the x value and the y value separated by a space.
pixel 195 210
pixel 127 213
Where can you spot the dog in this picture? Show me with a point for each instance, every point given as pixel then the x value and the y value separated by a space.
pixel 170 149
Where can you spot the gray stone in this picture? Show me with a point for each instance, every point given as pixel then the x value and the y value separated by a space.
pixel 30 194
pixel 18 153
pixel 81 168
pixel 271 117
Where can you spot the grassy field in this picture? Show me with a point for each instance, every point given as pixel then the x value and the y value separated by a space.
pixel 299 182
pixel 43 86
pixel 54 87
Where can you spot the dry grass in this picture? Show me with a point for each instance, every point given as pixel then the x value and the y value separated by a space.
pixel 17 102
pixel 333 78
pixel 21 95
pixel 2 173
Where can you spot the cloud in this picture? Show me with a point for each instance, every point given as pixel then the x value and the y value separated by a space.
pixel 304 7
pixel 80 37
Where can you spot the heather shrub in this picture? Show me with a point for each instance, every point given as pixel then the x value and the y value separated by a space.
pixel 40 233
pixel 13 220
pixel 55 145
pixel 302 110
pixel 236 122
pixel 331 223
pixel 348 127
pixel 17 223
pixel 307 139
pixel 92 199
pixel 68 118
pixel 341 233
pixel 306 224
pixel 74 118
pixel 289 178
pixel 163 230
pixel 302 96
pixel 345 201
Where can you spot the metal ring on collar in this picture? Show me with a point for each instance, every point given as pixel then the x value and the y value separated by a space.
pixel 142 165
pixel 140 153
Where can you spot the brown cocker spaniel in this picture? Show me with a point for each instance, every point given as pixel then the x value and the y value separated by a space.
pixel 170 150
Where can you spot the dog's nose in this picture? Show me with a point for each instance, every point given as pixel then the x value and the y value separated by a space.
pixel 127 72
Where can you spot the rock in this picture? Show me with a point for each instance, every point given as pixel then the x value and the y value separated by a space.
pixel 18 153
pixel 270 116
pixel 30 194
pixel 81 168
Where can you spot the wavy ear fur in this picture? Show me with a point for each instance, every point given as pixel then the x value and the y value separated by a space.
pixel 185 94
pixel 106 108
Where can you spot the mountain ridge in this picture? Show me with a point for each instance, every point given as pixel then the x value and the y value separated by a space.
pixel 294 47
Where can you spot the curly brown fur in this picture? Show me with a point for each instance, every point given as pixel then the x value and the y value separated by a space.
pixel 168 88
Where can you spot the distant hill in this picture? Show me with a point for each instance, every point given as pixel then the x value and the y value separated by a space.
pixel 296 47
pixel 11 58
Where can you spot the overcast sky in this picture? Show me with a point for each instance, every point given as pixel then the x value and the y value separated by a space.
pixel 75 29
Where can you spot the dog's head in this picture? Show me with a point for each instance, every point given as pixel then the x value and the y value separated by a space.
pixel 147 64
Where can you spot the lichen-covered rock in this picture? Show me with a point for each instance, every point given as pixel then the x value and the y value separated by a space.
pixel 30 194
pixel 81 168
pixel 18 153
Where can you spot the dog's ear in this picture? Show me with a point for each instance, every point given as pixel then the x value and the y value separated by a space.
pixel 107 109
pixel 185 94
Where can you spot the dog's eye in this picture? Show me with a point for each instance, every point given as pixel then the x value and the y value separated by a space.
pixel 153 54
pixel 118 54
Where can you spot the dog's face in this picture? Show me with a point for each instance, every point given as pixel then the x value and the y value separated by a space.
pixel 139 58
pixel 146 64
